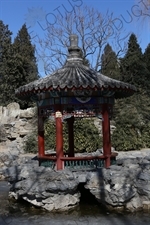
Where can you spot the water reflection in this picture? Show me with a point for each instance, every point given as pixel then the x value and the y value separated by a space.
pixel 12 213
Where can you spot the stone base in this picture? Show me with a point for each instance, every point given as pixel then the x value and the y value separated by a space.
pixel 146 205
pixel 124 186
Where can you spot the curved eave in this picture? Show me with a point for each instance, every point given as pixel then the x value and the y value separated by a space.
pixel 76 77
pixel 120 92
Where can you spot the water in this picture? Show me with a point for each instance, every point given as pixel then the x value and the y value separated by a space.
pixel 12 213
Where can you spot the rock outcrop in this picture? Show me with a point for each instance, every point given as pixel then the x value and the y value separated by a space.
pixel 15 126
pixel 42 186
pixel 124 186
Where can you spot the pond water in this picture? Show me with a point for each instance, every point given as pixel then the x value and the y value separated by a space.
pixel 12 213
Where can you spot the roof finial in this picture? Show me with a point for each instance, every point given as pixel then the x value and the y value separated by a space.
pixel 75 53
pixel 73 40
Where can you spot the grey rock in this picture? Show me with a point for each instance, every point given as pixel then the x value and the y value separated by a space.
pixel 27 113
pixel 119 161
pixel 145 176
pixel 145 166
pixel 35 201
pixel 48 200
pixel 134 204
pixel 115 167
pixel 81 177
pixel 48 190
pixel 15 126
pixel 2 133
pixel 130 161
pixel 134 167
pixel 146 205
pixel 63 202
pixel 147 157
pixel 13 110
pixel 143 162
pixel 143 188
pixel 125 187
pixel 12 173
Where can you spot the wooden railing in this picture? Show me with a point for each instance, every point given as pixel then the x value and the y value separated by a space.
pixel 88 162
pixel 47 160
pixel 83 162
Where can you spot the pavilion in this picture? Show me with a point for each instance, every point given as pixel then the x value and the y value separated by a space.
pixel 74 91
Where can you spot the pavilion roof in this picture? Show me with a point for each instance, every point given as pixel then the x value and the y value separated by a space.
pixel 75 75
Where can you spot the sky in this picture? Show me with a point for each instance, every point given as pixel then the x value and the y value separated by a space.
pixel 125 12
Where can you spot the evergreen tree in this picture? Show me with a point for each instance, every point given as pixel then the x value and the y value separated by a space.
pixel 25 70
pixel 5 60
pixel 23 48
pixel 146 58
pixel 110 64
pixel 133 67
pixel 17 64
pixel 132 115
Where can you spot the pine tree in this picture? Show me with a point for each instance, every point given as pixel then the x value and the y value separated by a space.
pixel 133 67
pixel 5 61
pixel 23 47
pixel 17 64
pixel 25 70
pixel 132 115
pixel 110 64
pixel 146 58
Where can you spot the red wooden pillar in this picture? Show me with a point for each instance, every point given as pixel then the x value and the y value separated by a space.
pixel 70 122
pixel 41 145
pixel 59 141
pixel 106 135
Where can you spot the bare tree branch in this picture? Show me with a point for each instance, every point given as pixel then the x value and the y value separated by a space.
pixel 94 29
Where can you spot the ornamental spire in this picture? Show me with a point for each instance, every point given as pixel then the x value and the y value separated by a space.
pixel 75 53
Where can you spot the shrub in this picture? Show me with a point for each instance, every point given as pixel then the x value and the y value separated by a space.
pixel 31 144
pixel 86 137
